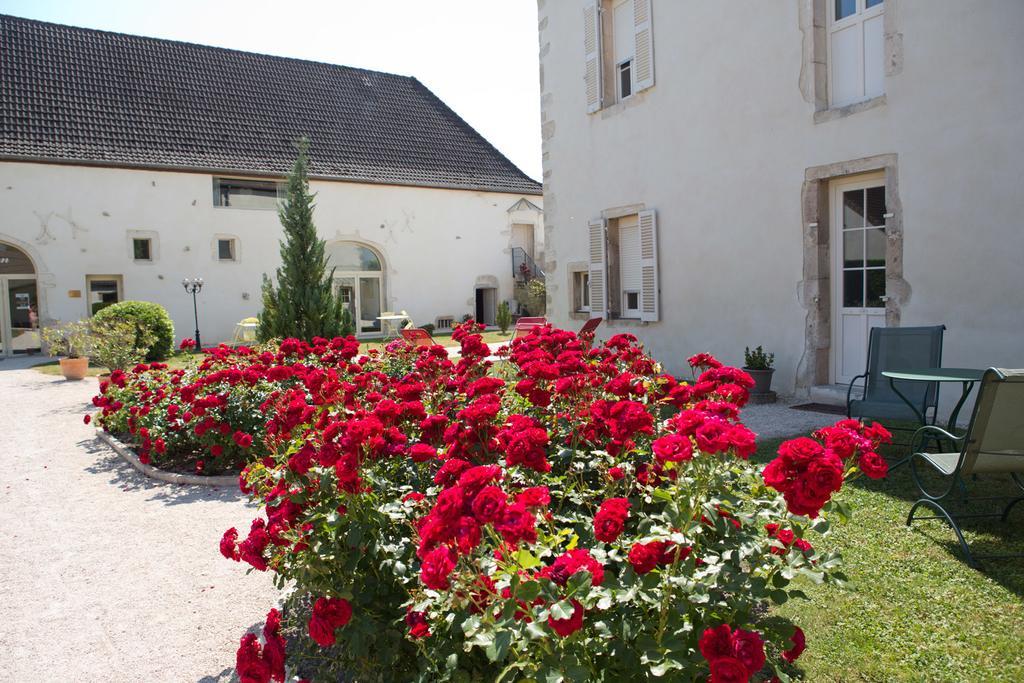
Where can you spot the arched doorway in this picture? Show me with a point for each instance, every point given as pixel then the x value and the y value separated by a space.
pixel 19 303
pixel 359 281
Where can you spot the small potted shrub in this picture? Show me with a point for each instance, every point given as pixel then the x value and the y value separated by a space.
pixel 760 366
pixel 120 344
pixel 73 342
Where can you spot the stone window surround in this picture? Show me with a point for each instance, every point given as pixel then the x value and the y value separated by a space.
pixel 814 66
pixel 215 248
pixel 154 246
pixel 815 289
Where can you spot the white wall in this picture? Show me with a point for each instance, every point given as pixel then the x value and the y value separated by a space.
pixel 719 147
pixel 436 243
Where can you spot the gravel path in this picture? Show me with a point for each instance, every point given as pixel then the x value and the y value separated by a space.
pixel 106 575
pixel 778 420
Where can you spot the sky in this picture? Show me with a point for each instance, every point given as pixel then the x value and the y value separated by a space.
pixel 479 56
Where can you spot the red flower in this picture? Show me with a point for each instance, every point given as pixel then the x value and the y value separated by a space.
pixel 328 615
pixel 733 655
pixel 799 645
pixel 489 504
pixel 566 627
pixel 436 567
pixel 274 646
pixel 616 473
pixel 187 343
pixel 611 519
pixel 417 623
pixel 728 670
pixel 672 448
pixel 87 419
pixel 645 557
pixel 249 663
pixel 229 544
pixel 422 452
pixel 873 465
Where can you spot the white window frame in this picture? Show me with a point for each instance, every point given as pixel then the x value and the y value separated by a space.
pixel 581 290
pixel 618 79
pixel 154 246
pixel 217 203
pixel 862 14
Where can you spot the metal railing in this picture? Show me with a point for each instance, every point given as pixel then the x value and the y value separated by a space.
pixel 524 268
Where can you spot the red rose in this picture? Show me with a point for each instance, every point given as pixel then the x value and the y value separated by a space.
pixel 229 544
pixel 611 519
pixel 616 473
pixel 566 627
pixel 873 465
pixel 274 646
pixel 87 419
pixel 748 648
pixel 728 670
pixel 417 623
pixel 489 504
pixel 672 448
pixel 437 566
pixel 249 663
pixel 422 452
pixel 801 449
pixel 645 557
pixel 716 643
pixel 799 645
pixel 328 615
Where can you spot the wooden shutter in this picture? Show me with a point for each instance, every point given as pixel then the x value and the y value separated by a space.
pixel 598 268
pixel 644 64
pixel 592 54
pixel 649 291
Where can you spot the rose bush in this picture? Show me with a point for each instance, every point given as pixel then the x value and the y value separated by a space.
pixel 574 514
pixel 211 417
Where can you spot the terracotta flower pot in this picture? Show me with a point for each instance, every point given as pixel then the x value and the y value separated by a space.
pixel 74 368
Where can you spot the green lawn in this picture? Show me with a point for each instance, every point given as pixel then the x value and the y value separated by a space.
pixel 179 360
pixel 490 337
pixel 915 611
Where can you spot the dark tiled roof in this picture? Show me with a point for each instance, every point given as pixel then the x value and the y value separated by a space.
pixel 78 95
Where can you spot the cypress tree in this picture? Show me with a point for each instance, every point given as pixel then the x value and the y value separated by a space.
pixel 303 305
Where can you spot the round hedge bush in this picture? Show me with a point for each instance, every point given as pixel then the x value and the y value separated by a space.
pixel 148 315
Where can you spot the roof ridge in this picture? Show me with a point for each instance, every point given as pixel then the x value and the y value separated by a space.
pixel 172 41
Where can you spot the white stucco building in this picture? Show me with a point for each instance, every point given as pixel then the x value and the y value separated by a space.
pixel 728 174
pixel 128 163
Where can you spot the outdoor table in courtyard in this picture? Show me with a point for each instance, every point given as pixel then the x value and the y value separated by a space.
pixel 966 376
pixel 389 324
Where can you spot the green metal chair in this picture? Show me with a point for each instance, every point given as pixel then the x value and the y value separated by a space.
pixel 898 348
pixel 993 444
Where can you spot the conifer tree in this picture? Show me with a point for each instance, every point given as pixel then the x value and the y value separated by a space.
pixel 303 304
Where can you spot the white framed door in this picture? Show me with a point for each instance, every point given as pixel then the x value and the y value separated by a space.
pixel 858 270
pixel 361 294
pixel 630 275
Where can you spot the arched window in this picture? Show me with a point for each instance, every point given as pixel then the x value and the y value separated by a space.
pixel 359 281
pixel 14 261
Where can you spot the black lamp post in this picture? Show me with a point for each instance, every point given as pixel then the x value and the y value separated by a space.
pixel 193 286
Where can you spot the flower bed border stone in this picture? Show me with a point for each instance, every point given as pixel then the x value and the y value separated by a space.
pixel 128 455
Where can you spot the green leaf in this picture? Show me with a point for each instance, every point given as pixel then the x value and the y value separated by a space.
pixel 562 609
pixel 526 559
pixel 498 649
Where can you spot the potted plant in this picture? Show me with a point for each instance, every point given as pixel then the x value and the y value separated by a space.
pixel 118 343
pixel 72 341
pixel 760 366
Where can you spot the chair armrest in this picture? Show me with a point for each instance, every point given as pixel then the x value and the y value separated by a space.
pixel 849 391
pixel 932 430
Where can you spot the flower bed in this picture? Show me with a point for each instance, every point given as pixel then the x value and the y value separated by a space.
pixel 573 514
pixel 211 418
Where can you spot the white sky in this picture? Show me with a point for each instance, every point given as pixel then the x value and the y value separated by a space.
pixel 479 56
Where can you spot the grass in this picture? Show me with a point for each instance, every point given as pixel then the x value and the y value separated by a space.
pixel 914 610
pixel 178 360
pixel 490 337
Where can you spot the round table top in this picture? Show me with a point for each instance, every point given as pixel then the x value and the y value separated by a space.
pixel 936 375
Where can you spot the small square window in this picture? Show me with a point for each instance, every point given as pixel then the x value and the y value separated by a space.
pixel 142 249
pixel 226 250
pixel 625 79
pixel 632 301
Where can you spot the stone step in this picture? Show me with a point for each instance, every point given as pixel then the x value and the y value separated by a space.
pixel 829 394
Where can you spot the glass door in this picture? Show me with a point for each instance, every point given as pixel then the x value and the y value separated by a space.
pixel 859 291
pixel 369 303
pixel 22 315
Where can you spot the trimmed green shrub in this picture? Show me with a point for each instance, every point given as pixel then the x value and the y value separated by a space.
pixel 150 318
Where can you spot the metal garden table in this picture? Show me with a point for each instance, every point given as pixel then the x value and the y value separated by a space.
pixel 966 376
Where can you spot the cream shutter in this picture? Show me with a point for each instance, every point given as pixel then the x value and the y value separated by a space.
pixel 598 268
pixel 644 65
pixel 592 53
pixel 649 291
